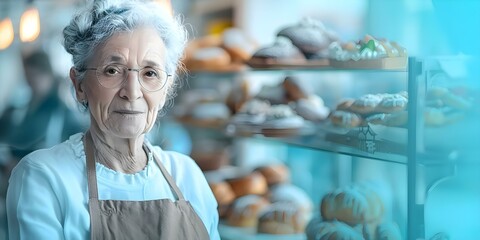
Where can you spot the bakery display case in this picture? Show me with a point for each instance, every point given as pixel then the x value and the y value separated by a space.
pixel 394 171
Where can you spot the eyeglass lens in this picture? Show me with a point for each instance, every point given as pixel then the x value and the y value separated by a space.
pixel 112 76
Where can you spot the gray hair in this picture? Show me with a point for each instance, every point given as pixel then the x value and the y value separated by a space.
pixel 100 19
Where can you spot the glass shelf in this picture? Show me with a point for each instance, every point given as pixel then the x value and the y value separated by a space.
pixel 247 69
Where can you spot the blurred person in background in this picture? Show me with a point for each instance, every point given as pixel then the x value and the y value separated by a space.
pixel 111 182
pixel 45 120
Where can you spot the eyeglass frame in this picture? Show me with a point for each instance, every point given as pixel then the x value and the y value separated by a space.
pixel 130 70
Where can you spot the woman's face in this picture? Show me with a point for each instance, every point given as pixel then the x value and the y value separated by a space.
pixel 126 111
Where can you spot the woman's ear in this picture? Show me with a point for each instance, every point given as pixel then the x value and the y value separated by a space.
pixel 78 85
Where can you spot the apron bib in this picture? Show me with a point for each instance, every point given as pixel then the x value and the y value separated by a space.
pixel 154 219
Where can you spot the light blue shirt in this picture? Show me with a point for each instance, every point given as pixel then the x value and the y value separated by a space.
pixel 48 198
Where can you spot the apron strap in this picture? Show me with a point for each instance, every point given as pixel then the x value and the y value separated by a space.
pixel 176 191
pixel 93 204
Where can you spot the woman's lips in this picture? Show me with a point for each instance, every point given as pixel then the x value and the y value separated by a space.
pixel 128 112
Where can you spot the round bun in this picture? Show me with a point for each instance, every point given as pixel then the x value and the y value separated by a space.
pixel 292 194
pixel 282 51
pixel 331 230
pixel 376 206
pixel 311 108
pixel 252 183
pixel 209 58
pixel 310 36
pixel 224 195
pixel 274 174
pixel 345 204
pixel 238 44
pixel 345 119
pixel 244 211
pixel 281 218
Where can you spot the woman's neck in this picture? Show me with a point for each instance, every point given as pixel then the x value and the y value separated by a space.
pixel 119 154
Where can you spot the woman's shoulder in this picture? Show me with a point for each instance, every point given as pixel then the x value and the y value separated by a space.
pixel 67 153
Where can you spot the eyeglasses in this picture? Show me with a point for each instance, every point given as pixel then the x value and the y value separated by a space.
pixel 115 75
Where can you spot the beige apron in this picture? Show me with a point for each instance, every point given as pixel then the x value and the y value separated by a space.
pixel 154 219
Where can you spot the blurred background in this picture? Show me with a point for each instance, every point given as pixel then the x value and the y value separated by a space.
pixel 37 104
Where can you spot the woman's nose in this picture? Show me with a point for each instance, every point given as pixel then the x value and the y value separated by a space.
pixel 131 89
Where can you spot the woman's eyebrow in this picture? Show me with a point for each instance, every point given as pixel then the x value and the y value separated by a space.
pixel 114 58
pixel 151 63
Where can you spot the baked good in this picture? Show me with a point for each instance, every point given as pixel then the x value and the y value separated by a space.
pixel 345 119
pixel 273 94
pixel 388 231
pixel 392 103
pixel 292 194
pixel 209 58
pixel 238 95
pixel 294 90
pixel 223 194
pixel 281 218
pixel 345 104
pixel 238 45
pixel 365 49
pixel 378 118
pixel 281 120
pixel 274 173
pixel 366 104
pixel 253 112
pixel 210 111
pixel 244 211
pixel 281 51
pixel 251 183
pixel 344 204
pixel 376 206
pixel 311 108
pixel 331 230
pixel 309 35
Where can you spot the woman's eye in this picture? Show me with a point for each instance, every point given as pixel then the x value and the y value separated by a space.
pixel 150 73
pixel 112 71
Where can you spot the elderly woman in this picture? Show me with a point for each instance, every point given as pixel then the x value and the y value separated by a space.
pixel 110 183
